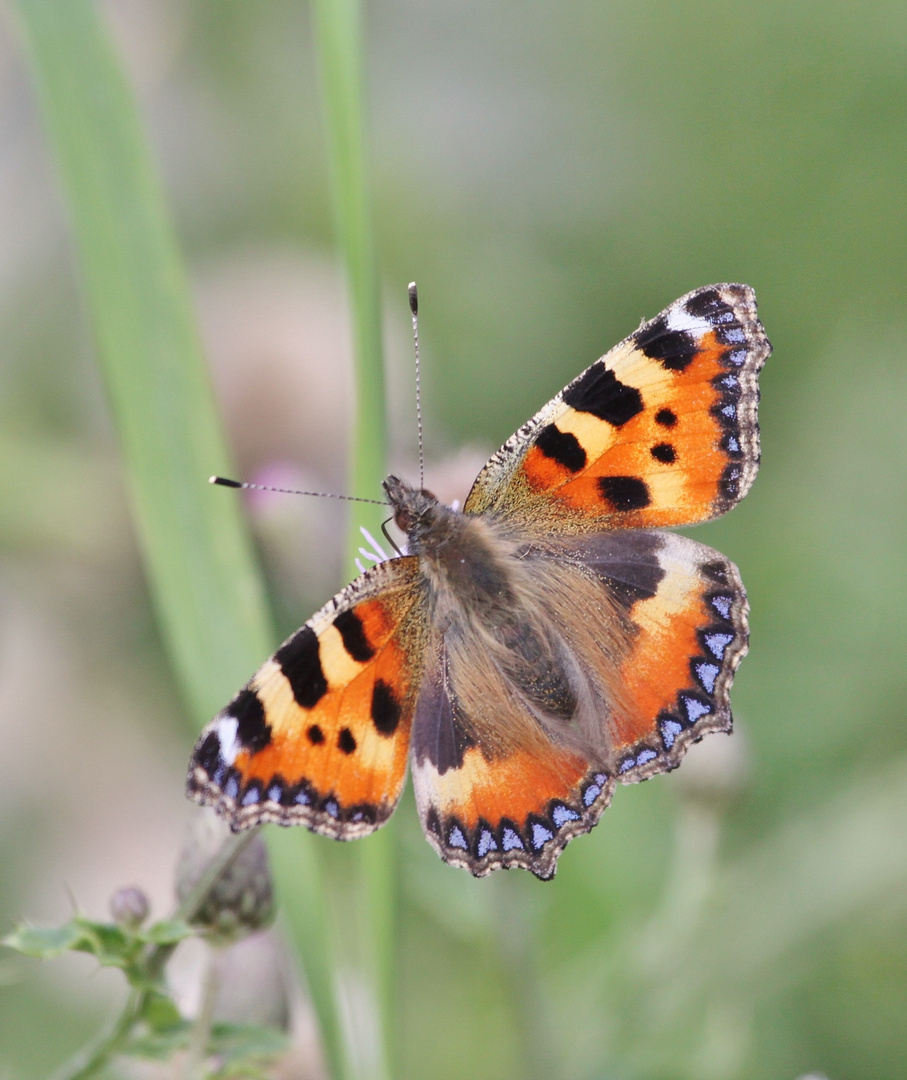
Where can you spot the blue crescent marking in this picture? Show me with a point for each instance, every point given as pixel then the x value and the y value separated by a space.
pixel 486 843
pixel 561 814
pixel 670 729
pixel 708 673
pixel 695 709
pixel 540 835
pixel 455 838
pixel 511 840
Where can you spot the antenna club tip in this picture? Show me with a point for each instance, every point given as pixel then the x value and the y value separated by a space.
pixel 413 298
pixel 224 482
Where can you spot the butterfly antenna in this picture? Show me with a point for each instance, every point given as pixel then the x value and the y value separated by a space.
pixel 414 308
pixel 224 482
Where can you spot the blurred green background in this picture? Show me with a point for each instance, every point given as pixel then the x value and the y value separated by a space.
pixel 549 174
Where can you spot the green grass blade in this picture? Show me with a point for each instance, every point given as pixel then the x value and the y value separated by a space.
pixel 363 879
pixel 206 587
pixel 338 42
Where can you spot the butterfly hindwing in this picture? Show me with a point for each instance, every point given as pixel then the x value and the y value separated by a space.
pixel 484 810
pixel 670 615
pixel 687 626
pixel 660 431
pixel 319 735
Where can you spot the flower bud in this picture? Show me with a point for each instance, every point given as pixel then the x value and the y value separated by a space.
pixel 242 900
pixel 129 907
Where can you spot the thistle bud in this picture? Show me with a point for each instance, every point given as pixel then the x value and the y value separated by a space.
pixel 129 907
pixel 242 900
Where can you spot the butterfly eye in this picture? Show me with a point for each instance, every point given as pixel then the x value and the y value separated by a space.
pixel 403 518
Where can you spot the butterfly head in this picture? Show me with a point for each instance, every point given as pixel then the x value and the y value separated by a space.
pixel 415 510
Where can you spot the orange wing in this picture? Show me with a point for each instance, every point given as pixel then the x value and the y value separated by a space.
pixel 682 610
pixel 319 735
pixel 484 812
pixel 687 623
pixel 661 431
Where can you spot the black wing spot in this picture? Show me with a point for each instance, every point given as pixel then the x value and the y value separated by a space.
pixel 300 662
pixel 433 822
pixel 346 741
pixel 664 452
pixel 386 709
pixel 707 304
pixel 598 391
pixel 629 566
pixel 666 417
pixel 252 730
pixel 673 349
pixel 315 735
pixel 208 754
pixel 352 632
pixel 562 447
pixel 625 492
pixel 715 571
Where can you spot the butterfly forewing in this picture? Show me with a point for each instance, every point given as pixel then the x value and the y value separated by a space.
pixel 661 431
pixel 319 735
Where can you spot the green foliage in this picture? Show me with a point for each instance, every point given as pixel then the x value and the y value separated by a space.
pixel 151 1026
pixel 111 944
pixel 239 1049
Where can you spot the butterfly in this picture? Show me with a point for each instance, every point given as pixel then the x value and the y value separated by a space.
pixel 542 644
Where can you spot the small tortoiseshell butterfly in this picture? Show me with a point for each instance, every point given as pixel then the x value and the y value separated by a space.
pixel 537 646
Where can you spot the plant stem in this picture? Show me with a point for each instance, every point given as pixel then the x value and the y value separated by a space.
pixel 201 1027
pixel 201 569
pixel 87 1062
pixel 363 880
pixel 339 47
